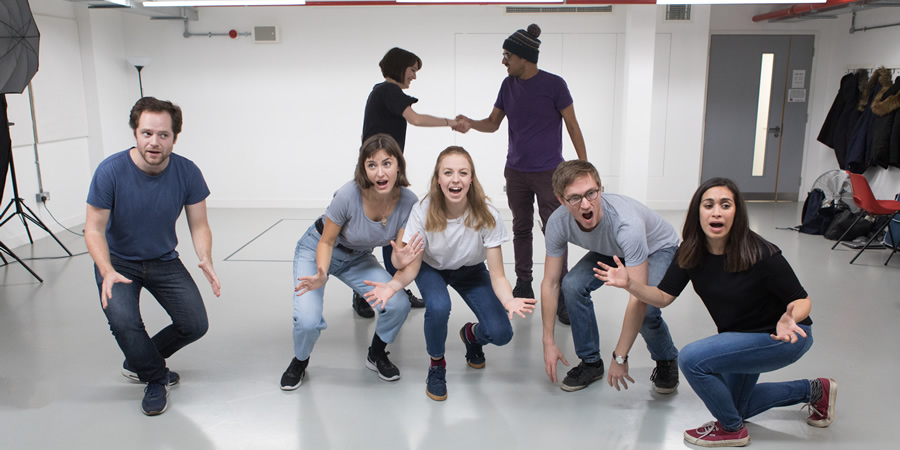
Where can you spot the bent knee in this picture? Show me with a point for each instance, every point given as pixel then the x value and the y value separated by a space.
pixel 500 336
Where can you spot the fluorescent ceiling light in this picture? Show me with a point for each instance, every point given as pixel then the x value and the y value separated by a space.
pixel 483 1
pixel 734 2
pixel 188 3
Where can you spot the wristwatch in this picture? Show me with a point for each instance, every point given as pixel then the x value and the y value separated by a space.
pixel 620 359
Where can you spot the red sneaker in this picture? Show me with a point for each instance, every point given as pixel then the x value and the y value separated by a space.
pixel 711 434
pixel 822 412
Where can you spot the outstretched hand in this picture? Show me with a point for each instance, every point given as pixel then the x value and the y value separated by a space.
pixel 618 373
pixel 612 276
pixel 379 296
pixel 409 252
pixel 461 124
pixel 210 273
pixel 786 330
pixel 520 306
pixel 552 354
pixel 311 283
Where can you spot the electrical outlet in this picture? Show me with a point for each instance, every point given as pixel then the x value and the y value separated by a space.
pixel 42 197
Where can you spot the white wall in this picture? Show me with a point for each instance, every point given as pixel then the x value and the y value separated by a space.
pixel 277 125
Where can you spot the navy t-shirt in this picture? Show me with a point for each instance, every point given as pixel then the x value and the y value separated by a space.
pixel 144 208
pixel 384 112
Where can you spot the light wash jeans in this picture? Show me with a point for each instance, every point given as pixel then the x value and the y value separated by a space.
pixel 577 287
pixel 474 286
pixel 723 371
pixel 172 286
pixel 352 268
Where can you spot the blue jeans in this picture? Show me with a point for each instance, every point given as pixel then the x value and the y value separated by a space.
pixel 351 267
pixel 723 371
pixel 474 286
pixel 577 287
pixel 172 286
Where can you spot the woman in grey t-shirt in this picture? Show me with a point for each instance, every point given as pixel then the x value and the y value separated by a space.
pixel 365 213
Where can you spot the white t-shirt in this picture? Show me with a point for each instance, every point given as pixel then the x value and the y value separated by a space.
pixel 458 245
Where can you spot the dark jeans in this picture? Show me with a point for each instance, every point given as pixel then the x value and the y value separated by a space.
pixel 172 286
pixel 521 189
pixel 474 286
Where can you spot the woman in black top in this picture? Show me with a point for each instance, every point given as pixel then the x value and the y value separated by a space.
pixel 388 110
pixel 759 307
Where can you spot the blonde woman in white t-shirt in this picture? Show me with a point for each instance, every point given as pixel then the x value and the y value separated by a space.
pixel 461 230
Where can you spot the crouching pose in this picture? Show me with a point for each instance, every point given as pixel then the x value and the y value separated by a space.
pixel 365 213
pixel 460 229
pixel 760 310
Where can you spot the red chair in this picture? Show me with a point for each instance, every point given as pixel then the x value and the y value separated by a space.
pixel 865 200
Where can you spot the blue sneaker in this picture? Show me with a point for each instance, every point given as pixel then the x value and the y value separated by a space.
pixel 155 399
pixel 436 383
pixel 474 354
pixel 174 378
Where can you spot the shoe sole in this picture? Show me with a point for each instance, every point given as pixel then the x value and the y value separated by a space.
pixel 832 400
pixel 437 398
pixel 462 335
pixel 371 366
pixel 665 391
pixel 727 443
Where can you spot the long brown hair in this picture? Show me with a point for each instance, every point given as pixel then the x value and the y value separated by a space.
pixel 743 247
pixel 479 213
pixel 369 148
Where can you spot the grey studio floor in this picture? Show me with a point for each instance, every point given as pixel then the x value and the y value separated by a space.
pixel 60 385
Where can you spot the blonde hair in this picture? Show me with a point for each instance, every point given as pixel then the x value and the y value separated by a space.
pixel 479 212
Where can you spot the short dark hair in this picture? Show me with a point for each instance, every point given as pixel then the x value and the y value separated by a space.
pixel 395 62
pixel 369 148
pixel 568 171
pixel 154 105
pixel 743 248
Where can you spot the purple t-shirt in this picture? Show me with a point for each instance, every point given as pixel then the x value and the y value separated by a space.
pixel 535 124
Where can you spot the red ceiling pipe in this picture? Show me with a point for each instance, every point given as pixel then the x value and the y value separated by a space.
pixel 475 2
pixel 804 8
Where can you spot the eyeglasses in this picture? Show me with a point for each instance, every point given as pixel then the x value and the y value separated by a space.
pixel 576 199
pixel 506 55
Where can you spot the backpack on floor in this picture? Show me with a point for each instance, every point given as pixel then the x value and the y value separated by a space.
pixel 830 194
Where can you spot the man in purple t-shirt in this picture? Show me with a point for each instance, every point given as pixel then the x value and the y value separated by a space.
pixel 537 103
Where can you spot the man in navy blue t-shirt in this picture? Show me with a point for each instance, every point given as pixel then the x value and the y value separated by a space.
pixel 134 200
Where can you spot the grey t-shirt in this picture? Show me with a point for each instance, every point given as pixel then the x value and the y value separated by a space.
pixel 628 229
pixel 358 232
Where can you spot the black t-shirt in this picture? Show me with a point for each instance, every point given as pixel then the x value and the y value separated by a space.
pixel 751 301
pixel 384 112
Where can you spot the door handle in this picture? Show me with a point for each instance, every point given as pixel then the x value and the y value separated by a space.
pixel 776 130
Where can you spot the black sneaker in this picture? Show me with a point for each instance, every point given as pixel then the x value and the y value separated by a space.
pixel 362 307
pixel 156 399
pixel 387 371
pixel 474 354
pixel 562 313
pixel 414 301
pixel 293 376
pixel 581 376
pixel 174 378
pixel 436 383
pixel 523 289
pixel 665 376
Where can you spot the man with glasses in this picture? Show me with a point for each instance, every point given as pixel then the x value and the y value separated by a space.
pixel 605 225
pixel 537 103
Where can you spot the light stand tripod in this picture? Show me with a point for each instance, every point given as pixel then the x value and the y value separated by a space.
pixel 21 209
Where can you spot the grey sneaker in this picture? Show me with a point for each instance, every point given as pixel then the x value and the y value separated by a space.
pixel 582 375
pixel 665 376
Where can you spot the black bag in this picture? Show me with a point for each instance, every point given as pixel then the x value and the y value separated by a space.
pixel 816 215
pixel 842 222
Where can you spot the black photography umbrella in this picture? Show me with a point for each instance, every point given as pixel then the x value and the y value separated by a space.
pixel 19 37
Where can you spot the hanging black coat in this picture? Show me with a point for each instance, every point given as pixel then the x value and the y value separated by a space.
pixel 887 112
pixel 841 117
pixel 860 144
